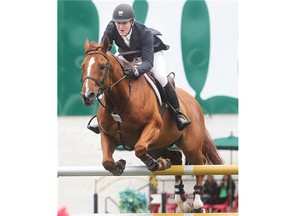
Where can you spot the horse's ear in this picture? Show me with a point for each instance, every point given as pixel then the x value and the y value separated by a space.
pixel 86 45
pixel 105 43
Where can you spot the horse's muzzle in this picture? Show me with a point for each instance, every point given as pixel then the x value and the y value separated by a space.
pixel 89 99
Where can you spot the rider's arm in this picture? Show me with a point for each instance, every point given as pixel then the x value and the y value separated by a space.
pixel 147 52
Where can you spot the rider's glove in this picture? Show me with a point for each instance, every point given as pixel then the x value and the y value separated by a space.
pixel 131 72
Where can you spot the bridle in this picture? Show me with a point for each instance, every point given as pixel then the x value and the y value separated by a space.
pixel 101 84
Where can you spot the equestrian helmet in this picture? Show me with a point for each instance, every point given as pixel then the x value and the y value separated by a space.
pixel 123 13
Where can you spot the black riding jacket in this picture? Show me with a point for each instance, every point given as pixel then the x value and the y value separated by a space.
pixel 142 38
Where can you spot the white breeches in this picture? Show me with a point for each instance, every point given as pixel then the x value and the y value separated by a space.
pixel 159 68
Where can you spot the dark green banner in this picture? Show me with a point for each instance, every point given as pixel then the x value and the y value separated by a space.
pixel 77 20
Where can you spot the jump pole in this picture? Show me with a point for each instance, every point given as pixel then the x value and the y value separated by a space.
pixel 142 170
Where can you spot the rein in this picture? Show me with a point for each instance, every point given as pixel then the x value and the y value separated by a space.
pixel 129 52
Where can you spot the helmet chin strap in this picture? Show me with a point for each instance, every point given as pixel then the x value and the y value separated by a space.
pixel 129 30
pixel 132 23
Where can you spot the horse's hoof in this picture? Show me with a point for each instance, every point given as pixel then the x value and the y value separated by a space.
pixel 185 207
pixel 121 163
pixel 164 163
pixel 199 210
pixel 120 167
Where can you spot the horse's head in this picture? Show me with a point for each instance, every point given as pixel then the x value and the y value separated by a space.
pixel 95 70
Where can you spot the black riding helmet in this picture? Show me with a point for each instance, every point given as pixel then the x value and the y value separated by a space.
pixel 123 13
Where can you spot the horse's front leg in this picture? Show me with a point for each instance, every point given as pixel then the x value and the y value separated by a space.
pixel 108 148
pixel 149 135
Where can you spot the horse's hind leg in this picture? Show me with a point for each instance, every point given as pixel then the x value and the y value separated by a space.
pixel 180 197
pixel 175 158
pixel 198 193
pixel 197 159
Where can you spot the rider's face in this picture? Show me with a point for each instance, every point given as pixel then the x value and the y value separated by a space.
pixel 124 27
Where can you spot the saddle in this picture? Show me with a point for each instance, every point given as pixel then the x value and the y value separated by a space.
pixel 159 87
pixel 156 86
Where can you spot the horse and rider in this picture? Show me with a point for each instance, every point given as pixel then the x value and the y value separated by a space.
pixel 130 114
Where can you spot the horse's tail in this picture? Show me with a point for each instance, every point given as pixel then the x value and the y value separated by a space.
pixel 210 151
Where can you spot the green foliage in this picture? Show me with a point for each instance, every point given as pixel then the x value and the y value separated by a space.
pixel 132 201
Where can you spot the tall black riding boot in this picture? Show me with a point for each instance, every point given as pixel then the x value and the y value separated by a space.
pixel 181 121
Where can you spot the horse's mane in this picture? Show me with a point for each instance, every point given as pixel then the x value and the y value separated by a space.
pixel 95 46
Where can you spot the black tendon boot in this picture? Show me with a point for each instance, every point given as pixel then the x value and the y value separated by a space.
pixel 181 121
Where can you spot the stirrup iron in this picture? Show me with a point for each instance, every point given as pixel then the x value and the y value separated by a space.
pixel 94 128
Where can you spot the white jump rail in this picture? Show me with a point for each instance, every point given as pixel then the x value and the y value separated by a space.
pixel 70 171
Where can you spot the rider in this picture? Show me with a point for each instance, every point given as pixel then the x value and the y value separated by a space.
pixel 130 35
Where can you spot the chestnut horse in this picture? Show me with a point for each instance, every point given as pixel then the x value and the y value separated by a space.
pixel 130 115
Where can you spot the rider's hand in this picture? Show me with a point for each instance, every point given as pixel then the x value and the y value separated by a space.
pixel 131 72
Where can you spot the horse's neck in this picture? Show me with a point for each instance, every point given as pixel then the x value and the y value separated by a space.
pixel 120 92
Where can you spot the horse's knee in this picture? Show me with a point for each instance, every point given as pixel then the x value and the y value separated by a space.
pixel 115 168
pixel 108 164
pixel 140 151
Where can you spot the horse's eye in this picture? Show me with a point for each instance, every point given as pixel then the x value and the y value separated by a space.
pixel 102 66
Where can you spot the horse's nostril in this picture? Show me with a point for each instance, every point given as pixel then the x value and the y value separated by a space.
pixel 92 95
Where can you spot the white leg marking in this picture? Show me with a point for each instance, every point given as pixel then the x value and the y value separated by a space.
pixel 197 203
pixel 184 207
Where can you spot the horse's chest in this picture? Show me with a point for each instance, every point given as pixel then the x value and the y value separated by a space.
pixel 128 131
